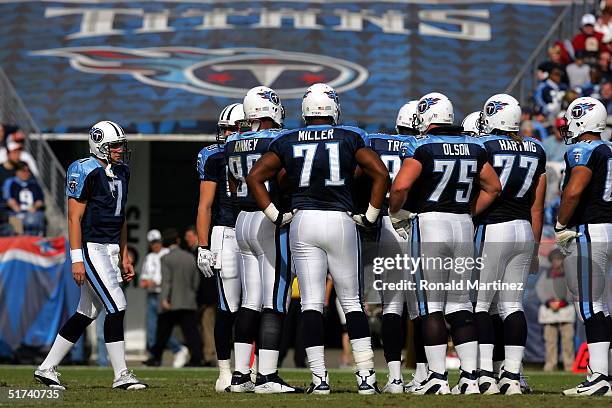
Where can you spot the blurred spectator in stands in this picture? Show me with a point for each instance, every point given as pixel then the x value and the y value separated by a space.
pixel 603 64
pixel 604 25
pixel 554 146
pixel 14 134
pixel 527 129
pixel 556 314
pixel 7 170
pixel 593 87
pixel 606 96
pixel 549 94
pixel 588 40
pixel 578 73
pixel 150 279
pixel 25 200
pixel 207 303
pixel 540 126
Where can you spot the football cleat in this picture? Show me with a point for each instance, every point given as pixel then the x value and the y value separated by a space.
pixel 241 382
pixel 50 378
pixel 273 384
pixel 394 387
pixel 509 383
pixel 468 384
pixel 487 383
pixel 224 382
pixel 436 383
pixel 595 384
pixel 366 382
pixel 128 381
pixel 319 385
pixel 525 388
pixel 410 386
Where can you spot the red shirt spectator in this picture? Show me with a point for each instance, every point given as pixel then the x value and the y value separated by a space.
pixel 588 40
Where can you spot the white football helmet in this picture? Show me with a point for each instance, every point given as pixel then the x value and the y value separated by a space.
pixel 434 108
pixel 584 115
pixel 321 100
pixel 501 112
pixel 472 124
pixel 262 102
pixel 406 116
pixel 228 120
pixel 105 134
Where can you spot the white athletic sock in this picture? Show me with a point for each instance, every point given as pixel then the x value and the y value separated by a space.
pixel 598 356
pixel 468 355
pixel 485 357
pixel 514 358
pixel 116 355
pixel 58 351
pixel 395 370
pixel 268 361
pixel 224 367
pixel 420 374
pixel 242 357
pixel 497 365
pixel 363 354
pixel 316 360
pixel 436 358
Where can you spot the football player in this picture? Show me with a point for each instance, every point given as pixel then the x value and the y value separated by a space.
pixel 390 244
pixel 264 251
pixel 320 160
pixel 437 177
pixel 505 238
pixel 97 188
pixel 218 209
pixel 583 231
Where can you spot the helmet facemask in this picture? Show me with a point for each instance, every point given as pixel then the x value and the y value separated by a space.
pixel 125 153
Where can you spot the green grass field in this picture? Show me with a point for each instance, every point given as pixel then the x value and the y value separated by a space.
pixel 194 387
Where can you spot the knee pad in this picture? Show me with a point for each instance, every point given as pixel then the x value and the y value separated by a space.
pixel 482 307
pixel 113 327
pixel 508 308
pixel 351 305
pixel 74 327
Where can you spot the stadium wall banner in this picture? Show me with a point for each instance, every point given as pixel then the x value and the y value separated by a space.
pixel 169 66
pixel 37 293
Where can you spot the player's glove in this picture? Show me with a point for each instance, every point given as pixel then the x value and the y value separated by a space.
pixel 205 261
pixel 278 218
pixel 563 236
pixel 367 220
pixel 401 222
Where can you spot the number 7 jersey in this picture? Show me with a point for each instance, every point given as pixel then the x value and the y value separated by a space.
pixel 450 166
pixel 320 164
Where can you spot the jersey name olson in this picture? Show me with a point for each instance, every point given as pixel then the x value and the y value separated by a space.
pixel 459 149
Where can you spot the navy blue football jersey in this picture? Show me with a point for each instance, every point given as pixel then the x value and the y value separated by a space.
pixel 212 167
pixel 595 206
pixel 450 163
pixel 519 167
pixel 242 150
pixel 106 197
pixel 320 164
pixel 388 148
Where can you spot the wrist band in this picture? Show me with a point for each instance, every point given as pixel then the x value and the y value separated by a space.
pixel 76 255
pixel 271 212
pixel 372 213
